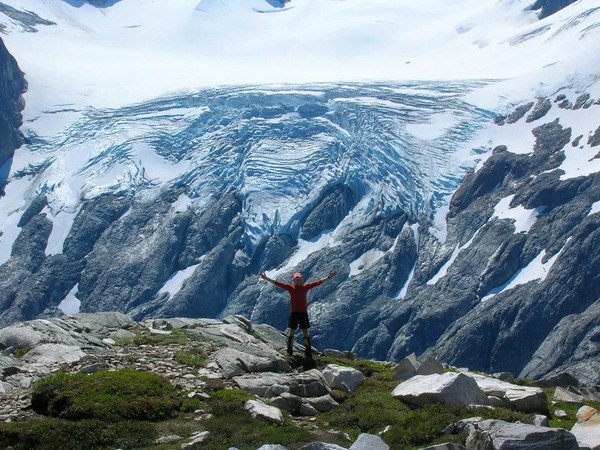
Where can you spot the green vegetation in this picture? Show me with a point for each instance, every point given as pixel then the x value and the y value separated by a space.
pixel 110 396
pixel 50 433
pixel 569 408
pixel 19 352
pixel 195 357
pixel 129 410
pixel 144 337
pixel 232 426
pixel 371 408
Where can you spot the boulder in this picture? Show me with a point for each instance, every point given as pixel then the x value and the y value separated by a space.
pixel 343 378
pixel 235 362
pixel 500 435
pixel 288 402
pixel 504 376
pixel 503 394
pixel 267 385
pixel 446 446
pixel 563 379
pixel 587 428
pixel 564 395
pixel 321 446
pixel 47 354
pixel 197 440
pixel 429 367
pixel 323 403
pixel 540 420
pixel 262 411
pixel 101 324
pixel 20 336
pixel 407 368
pixel 369 442
pixel 449 387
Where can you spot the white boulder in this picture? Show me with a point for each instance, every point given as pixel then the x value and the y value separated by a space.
pixel 448 387
pixel 523 398
pixel 369 442
pixel 587 428
pixel 262 411
pixel 343 378
pixel 500 435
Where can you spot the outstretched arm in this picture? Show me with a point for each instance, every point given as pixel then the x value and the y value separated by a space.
pixel 332 274
pixel 265 277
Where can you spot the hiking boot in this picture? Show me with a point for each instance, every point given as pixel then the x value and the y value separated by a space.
pixel 307 347
pixel 290 345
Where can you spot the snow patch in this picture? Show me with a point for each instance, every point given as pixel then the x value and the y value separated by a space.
pixel 365 261
pixel 175 282
pixel 402 292
pixel 182 203
pixel 304 250
pixel 444 269
pixel 523 218
pixel 536 270
pixel 61 226
pixel 70 304
pixel 440 226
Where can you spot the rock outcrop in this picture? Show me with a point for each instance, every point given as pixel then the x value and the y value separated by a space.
pixel 500 435
pixel 12 86
pixel 247 356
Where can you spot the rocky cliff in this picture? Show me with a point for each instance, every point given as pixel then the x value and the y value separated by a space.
pixel 12 86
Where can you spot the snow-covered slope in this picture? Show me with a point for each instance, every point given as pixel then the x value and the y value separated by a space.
pixel 176 148
pixel 135 50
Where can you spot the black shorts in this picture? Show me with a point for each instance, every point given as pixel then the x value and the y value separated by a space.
pixel 298 319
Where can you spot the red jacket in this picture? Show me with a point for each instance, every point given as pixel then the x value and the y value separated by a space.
pixel 298 294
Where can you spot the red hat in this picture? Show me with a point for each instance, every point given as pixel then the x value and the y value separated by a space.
pixel 297 275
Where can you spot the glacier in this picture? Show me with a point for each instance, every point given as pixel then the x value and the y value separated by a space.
pixel 276 147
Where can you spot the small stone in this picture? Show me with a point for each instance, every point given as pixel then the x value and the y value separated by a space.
pixel 168 439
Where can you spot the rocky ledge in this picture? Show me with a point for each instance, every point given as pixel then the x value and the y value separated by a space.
pixel 250 357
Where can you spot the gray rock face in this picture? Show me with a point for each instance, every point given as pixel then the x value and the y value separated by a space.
pixel 26 19
pixel 12 86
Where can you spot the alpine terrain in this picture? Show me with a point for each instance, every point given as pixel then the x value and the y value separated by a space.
pixel 444 158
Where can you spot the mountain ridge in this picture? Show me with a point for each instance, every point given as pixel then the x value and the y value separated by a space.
pixel 447 220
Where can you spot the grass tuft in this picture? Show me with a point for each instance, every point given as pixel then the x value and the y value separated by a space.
pixel 111 396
